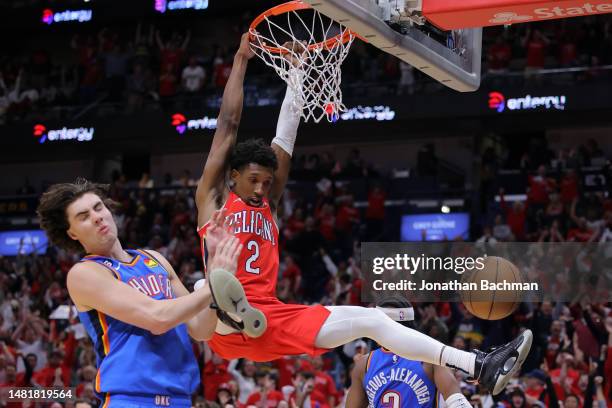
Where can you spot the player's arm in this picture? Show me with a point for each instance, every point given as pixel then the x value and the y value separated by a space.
pixel 92 286
pixel 448 386
pixel 287 126
pixel 356 397
pixel 210 185
pixel 202 326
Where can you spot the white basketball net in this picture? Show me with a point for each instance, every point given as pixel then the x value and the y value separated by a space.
pixel 317 86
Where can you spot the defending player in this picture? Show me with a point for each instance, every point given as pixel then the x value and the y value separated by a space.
pixel 135 309
pixel 257 177
pixel 383 379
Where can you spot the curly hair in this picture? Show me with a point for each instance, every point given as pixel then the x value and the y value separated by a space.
pixel 253 151
pixel 54 202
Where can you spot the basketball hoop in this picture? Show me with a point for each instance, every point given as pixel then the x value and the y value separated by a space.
pixel 306 49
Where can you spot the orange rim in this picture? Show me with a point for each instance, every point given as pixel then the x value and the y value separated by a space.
pixel 296 5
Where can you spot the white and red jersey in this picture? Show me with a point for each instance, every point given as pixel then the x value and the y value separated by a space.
pixel 258 233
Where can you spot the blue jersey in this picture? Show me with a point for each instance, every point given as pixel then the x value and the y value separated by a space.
pixel 391 381
pixel 136 367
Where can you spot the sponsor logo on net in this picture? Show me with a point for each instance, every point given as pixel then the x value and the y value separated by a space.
pixel 49 16
pixel 498 102
pixel 76 134
pixel 509 17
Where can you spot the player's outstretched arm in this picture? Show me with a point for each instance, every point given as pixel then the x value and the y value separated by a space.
pixel 91 286
pixel 288 122
pixel 210 186
pixel 356 397
pixel 448 386
pixel 282 144
pixel 202 326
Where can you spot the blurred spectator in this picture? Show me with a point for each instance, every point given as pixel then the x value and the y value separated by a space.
pixel 193 76
pixel 172 51
pixel 243 372
pixel 535 42
pixel 499 55
pixel 267 395
pixel 323 382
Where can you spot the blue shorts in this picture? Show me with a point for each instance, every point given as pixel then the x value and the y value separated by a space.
pixel 146 401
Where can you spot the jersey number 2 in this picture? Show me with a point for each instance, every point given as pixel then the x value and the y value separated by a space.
pixel 391 399
pixel 252 246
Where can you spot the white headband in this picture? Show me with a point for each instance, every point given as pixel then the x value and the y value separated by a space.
pixel 401 314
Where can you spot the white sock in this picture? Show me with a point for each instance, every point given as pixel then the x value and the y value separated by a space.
pixel 452 357
pixel 348 323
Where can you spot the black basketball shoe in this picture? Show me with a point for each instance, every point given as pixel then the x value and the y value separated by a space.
pixel 496 367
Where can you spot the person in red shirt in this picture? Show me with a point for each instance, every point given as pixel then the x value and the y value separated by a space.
pixel 214 373
pixel 167 82
pixel 327 222
pixel 222 71
pixel 268 396
pixel 515 216
pixel 347 216
pixel 55 373
pixel 375 213
pixel 292 276
pixel 499 55
pixel 286 367
pixel 323 382
pixel 557 340
pixel 535 43
pixel 295 223
pixel 568 55
pixel 11 378
pixel 305 393
pixel 172 52
pixel 565 379
pixel 540 187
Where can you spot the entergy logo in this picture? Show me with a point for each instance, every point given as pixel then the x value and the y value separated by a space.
pixel 178 121
pixel 163 5
pixel 498 102
pixel 49 16
pixel 77 134
pixel 182 124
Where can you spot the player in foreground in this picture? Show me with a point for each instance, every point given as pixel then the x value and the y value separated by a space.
pixel 384 379
pixel 135 309
pixel 248 201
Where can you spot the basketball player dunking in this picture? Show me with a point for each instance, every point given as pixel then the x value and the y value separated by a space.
pixel 258 174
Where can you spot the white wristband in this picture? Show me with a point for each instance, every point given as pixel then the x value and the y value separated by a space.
pixel 457 401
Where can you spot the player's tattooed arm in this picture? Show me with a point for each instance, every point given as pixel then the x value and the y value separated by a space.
pixel 356 397
pixel 211 184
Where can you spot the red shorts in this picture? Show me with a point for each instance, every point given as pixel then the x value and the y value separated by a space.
pixel 292 330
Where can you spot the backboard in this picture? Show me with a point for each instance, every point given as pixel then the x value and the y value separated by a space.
pixel 398 28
